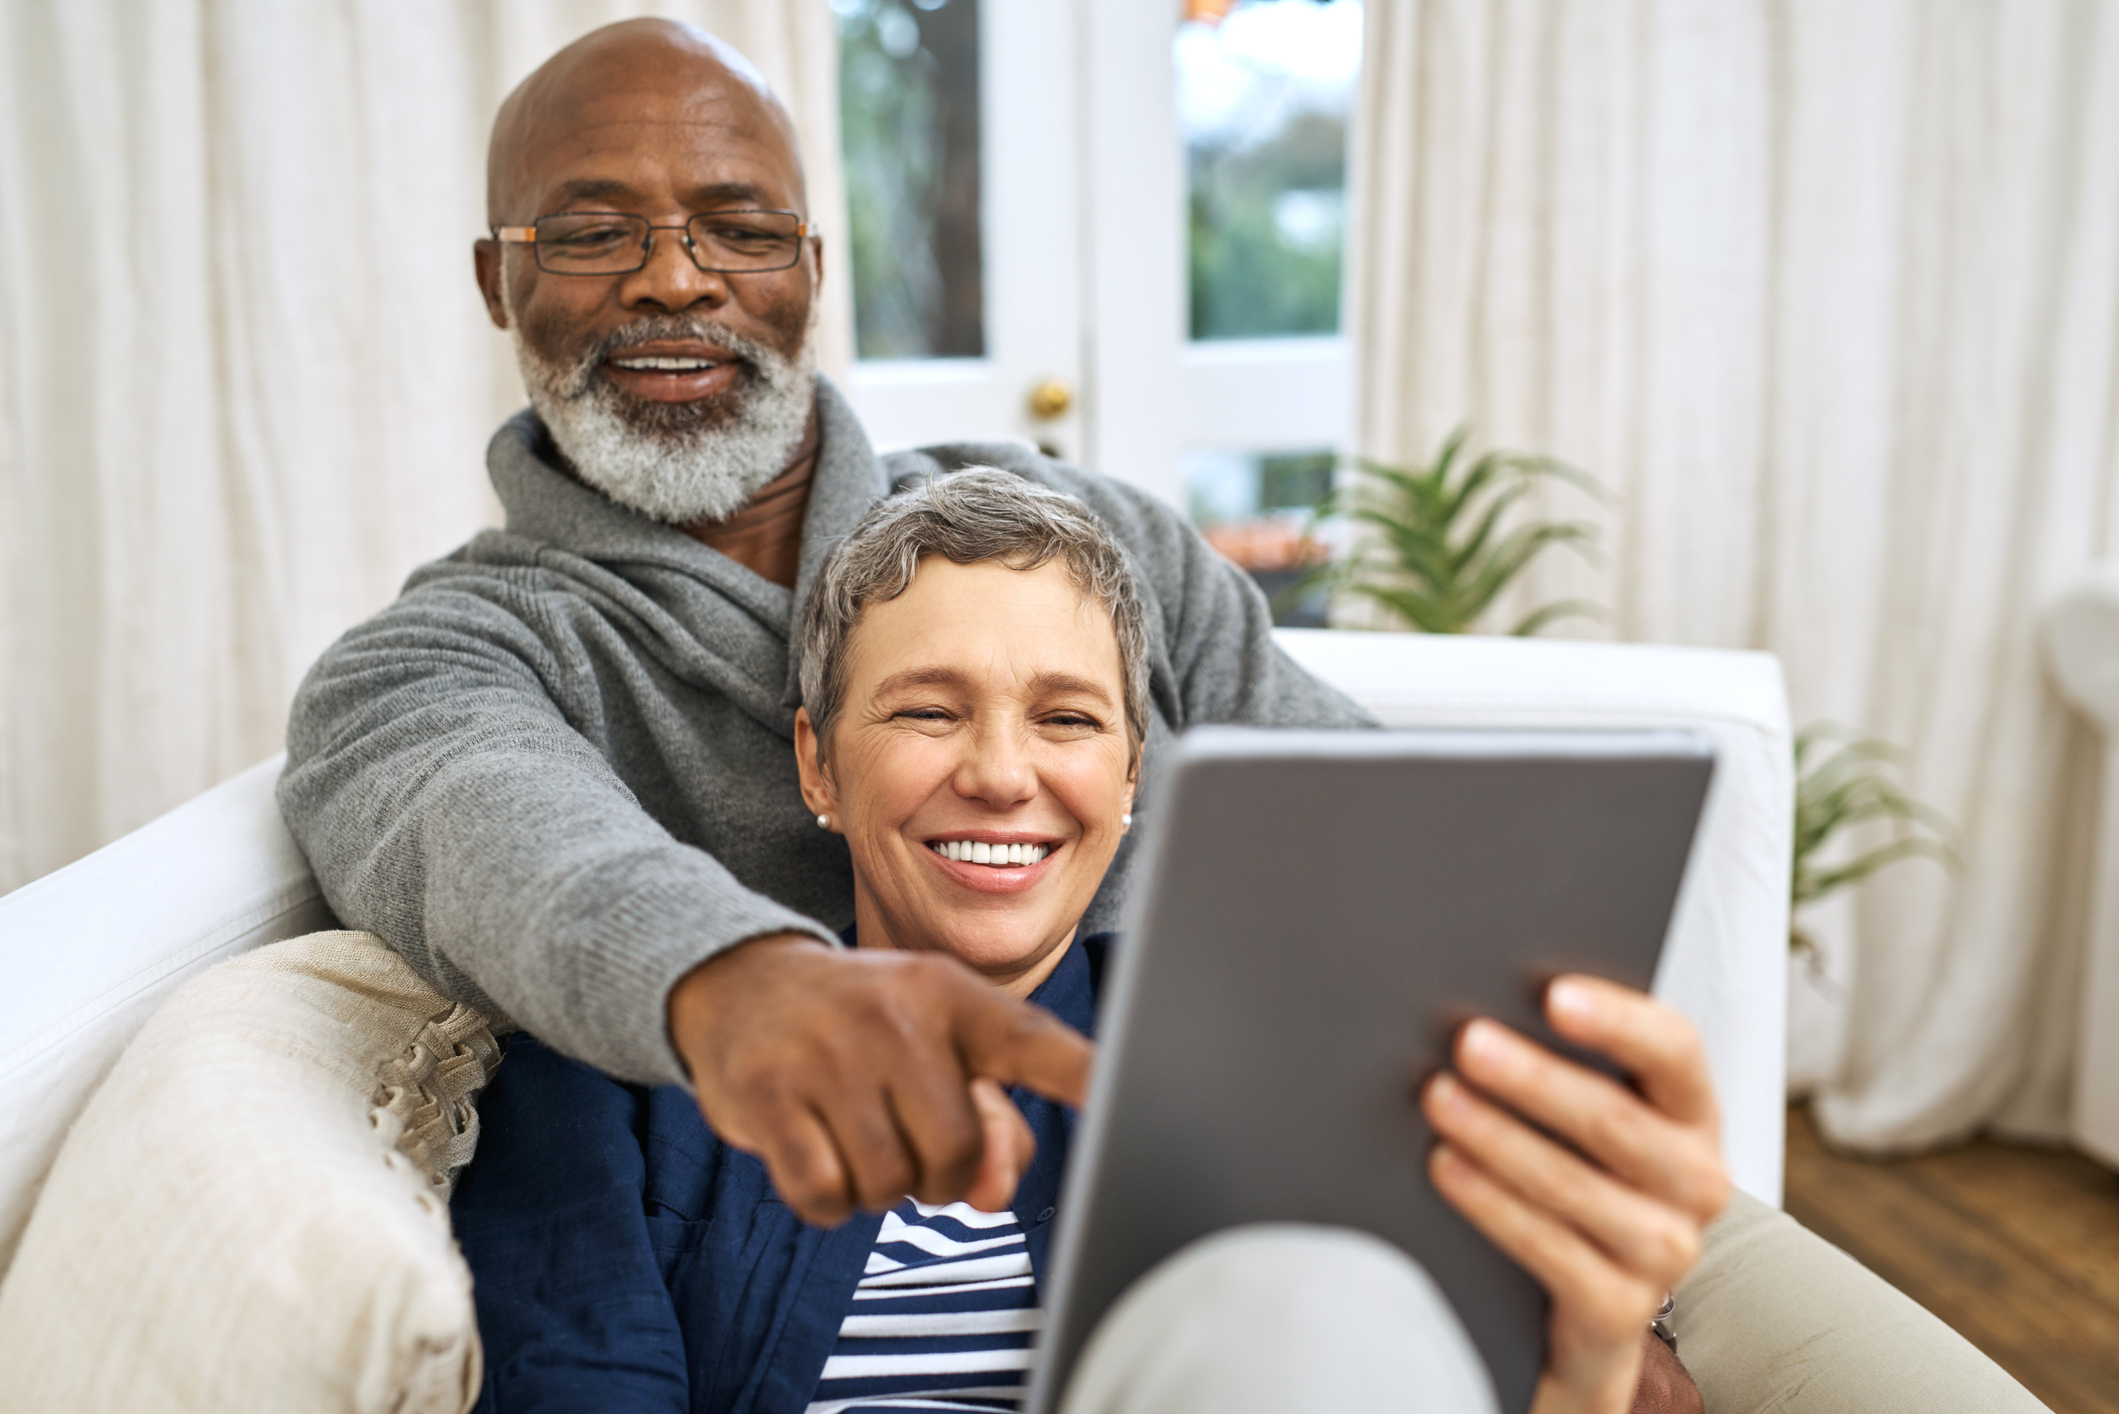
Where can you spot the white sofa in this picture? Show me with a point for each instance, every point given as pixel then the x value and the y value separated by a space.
pixel 90 950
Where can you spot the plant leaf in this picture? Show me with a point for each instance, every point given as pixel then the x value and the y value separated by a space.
pixel 1558 609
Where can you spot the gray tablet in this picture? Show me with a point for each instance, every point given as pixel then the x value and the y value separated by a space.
pixel 1316 914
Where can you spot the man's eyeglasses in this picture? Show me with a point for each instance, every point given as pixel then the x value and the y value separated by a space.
pixel 611 243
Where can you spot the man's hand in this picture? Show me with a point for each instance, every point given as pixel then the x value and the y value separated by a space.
pixel 1608 1215
pixel 861 1077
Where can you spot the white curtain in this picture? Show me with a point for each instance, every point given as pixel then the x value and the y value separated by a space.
pixel 1826 292
pixel 245 377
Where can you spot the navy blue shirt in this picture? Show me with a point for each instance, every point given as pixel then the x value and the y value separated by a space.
pixel 624 1258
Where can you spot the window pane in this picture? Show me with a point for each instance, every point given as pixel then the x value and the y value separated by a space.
pixel 909 128
pixel 1258 508
pixel 1263 99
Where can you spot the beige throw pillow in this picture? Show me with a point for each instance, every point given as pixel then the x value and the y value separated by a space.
pixel 252 1212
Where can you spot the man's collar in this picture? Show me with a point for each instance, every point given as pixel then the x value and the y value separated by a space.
pixel 544 503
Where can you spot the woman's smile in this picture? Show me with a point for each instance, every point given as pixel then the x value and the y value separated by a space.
pixel 1000 854
pixel 988 862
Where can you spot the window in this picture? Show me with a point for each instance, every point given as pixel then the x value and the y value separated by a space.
pixel 1263 99
pixel 909 129
pixel 1264 96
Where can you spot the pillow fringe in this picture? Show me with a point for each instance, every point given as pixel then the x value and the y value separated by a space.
pixel 423 1102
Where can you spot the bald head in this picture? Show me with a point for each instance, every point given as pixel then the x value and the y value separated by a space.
pixel 638 85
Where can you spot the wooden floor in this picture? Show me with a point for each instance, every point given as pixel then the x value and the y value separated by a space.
pixel 2016 1248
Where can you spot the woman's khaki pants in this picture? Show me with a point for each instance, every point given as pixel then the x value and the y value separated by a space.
pixel 1293 1319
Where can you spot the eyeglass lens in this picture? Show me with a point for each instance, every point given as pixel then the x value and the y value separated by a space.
pixel 609 243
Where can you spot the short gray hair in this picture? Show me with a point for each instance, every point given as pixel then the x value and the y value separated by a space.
pixel 968 517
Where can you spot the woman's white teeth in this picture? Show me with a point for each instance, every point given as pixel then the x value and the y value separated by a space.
pixel 660 364
pixel 980 852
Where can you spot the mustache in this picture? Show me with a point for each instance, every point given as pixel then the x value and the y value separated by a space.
pixel 587 369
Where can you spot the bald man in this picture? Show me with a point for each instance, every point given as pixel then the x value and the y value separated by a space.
pixel 558 773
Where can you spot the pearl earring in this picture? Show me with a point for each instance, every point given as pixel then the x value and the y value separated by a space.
pixel 1126 820
pixel 824 822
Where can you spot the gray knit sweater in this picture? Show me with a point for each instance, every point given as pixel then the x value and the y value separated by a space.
pixel 558 772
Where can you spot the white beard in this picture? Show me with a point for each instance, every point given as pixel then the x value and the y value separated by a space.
pixel 674 462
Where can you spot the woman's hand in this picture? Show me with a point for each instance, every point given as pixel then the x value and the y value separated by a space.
pixel 1605 1207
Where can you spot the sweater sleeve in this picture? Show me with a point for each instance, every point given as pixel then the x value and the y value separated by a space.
pixel 447 805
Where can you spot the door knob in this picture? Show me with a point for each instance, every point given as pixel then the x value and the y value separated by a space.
pixel 1051 398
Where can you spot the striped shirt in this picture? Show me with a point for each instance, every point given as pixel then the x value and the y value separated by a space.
pixel 943 1318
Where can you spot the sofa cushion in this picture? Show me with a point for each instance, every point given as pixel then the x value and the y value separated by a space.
pixel 252 1212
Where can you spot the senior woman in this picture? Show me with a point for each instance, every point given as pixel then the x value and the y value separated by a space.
pixel 975 706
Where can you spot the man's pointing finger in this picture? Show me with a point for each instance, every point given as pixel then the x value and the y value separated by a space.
pixel 1019 1044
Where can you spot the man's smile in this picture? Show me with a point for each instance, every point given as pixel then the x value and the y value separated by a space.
pixel 674 370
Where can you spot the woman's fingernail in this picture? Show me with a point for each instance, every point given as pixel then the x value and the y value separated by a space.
pixel 1570 999
pixel 1443 1093
pixel 1483 1042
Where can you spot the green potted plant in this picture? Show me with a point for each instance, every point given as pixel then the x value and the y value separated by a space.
pixel 1443 540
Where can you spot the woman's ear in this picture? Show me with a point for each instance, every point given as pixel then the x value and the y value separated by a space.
pixel 1132 781
pixel 817 791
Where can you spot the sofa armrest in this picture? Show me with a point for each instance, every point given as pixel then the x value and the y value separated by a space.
pixel 1725 964
pixel 91 950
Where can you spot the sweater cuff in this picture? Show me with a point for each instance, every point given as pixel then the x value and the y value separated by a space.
pixel 635 936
